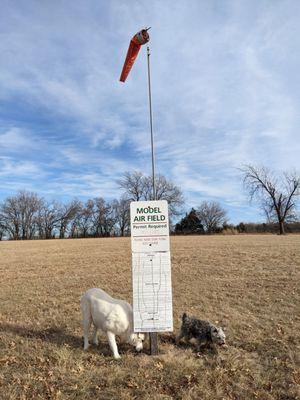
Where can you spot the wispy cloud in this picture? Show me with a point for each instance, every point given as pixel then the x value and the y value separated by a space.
pixel 11 169
pixel 14 138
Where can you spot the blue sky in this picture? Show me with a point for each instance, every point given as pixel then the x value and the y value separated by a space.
pixel 225 83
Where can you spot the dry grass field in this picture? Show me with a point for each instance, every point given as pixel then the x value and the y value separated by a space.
pixel 247 284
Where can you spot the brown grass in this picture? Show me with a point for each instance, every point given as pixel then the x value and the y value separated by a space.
pixel 247 284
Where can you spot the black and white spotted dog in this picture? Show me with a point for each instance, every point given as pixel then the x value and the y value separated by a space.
pixel 203 331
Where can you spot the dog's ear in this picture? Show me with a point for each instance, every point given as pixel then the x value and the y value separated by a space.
pixel 213 329
pixel 184 317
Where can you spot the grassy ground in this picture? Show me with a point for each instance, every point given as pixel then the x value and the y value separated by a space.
pixel 247 284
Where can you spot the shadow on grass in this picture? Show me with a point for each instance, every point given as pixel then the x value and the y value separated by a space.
pixel 55 335
pixel 205 349
pixel 60 337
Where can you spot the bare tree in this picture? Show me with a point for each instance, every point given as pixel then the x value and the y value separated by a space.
pixel 121 209
pixel 165 190
pixel 48 220
pixel 74 225
pixel 212 216
pixel 86 219
pixel 19 215
pixel 66 213
pixel 276 194
pixel 103 219
pixel 30 205
pixel 9 218
pixel 139 187
pixel 133 184
pixel 2 228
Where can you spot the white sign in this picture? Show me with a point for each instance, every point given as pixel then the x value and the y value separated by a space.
pixel 149 226
pixel 152 292
pixel 151 266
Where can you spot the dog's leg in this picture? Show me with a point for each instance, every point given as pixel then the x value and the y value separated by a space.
pixel 179 337
pixel 86 331
pixel 113 345
pixel 86 322
pixel 200 345
pixel 213 348
pixel 95 336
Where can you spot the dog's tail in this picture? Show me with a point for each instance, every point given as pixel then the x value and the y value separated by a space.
pixel 184 317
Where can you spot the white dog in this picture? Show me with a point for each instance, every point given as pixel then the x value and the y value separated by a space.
pixel 112 316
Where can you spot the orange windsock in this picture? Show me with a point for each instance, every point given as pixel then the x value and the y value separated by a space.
pixel 138 39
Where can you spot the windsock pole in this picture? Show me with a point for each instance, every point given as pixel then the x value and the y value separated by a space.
pixel 152 335
pixel 151 125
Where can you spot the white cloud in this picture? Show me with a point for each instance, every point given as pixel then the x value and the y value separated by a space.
pixel 11 169
pixel 14 138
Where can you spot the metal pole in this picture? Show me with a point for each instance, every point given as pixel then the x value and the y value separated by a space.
pixel 152 335
pixel 151 125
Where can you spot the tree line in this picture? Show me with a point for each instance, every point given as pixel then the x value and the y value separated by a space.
pixel 28 216
pixel 275 194
pixel 191 224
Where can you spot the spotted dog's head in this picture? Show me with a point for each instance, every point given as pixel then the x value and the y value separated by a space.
pixel 217 335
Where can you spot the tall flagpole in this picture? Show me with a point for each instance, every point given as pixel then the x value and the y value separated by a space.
pixel 151 125
pixel 153 335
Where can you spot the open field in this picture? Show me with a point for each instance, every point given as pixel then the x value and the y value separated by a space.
pixel 247 284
